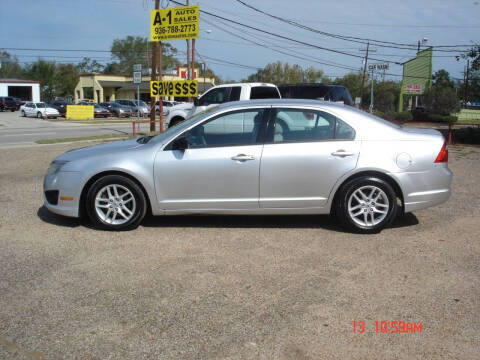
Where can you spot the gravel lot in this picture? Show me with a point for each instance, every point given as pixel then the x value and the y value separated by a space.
pixel 235 287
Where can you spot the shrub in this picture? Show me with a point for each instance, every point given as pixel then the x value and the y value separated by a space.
pixel 404 116
pixel 442 118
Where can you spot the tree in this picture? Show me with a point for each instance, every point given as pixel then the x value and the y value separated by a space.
pixel 43 71
pixel 353 82
pixel 138 50
pixel 89 66
pixel 10 68
pixel 284 73
pixel 474 56
pixel 442 78
pixel 386 94
pixel 66 79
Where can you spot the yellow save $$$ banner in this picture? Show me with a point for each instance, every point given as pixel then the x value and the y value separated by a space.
pixel 79 112
pixel 181 88
pixel 174 23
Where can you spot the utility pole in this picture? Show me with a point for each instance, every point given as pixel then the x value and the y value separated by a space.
pixel 465 97
pixel 154 76
pixel 371 95
pixel 188 52
pixel 160 100
pixel 364 71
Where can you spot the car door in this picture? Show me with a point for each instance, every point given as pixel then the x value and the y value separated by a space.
pixel 220 168
pixel 31 110
pixel 306 152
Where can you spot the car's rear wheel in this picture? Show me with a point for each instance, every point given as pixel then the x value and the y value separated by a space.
pixel 366 205
pixel 23 113
pixel 115 202
pixel 175 121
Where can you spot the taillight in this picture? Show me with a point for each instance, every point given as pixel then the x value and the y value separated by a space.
pixel 3 103
pixel 442 156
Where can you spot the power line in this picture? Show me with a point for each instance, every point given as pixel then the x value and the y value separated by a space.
pixel 286 37
pixel 341 37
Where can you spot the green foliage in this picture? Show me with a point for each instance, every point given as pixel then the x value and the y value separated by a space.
pixel 45 72
pixel 442 118
pixel 402 117
pixel 10 69
pixel 353 82
pixel 66 78
pixel 89 66
pixel 138 50
pixel 386 95
pixel 284 73
pixel 441 100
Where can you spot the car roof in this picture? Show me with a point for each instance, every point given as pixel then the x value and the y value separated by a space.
pixel 285 102
pixel 248 84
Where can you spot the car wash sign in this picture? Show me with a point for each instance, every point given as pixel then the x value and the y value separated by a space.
pixel 177 23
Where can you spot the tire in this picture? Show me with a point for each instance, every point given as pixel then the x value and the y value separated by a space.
pixel 132 208
pixel 368 213
pixel 39 115
pixel 12 110
pixel 23 114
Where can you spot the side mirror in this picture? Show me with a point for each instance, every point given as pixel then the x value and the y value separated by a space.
pixel 196 101
pixel 180 144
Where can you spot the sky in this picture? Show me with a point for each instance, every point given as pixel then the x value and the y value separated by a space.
pixel 94 24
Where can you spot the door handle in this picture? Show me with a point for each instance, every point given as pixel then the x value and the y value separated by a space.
pixel 342 153
pixel 243 157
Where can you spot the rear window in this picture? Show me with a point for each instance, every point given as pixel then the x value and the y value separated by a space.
pixel 235 93
pixel 264 92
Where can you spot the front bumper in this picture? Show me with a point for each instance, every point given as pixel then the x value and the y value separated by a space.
pixel 67 185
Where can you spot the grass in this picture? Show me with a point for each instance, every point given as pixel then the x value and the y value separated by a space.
pixel 94 137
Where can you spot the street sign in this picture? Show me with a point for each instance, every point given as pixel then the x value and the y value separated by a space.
pixel 175 23
pixel 137 77
pixel 385 66
pixel 137 67
pixel 183 88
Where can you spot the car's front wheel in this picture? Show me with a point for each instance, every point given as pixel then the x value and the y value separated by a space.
pixel 39 115
pixel 115 202
pixel 23 113
pixel 366 205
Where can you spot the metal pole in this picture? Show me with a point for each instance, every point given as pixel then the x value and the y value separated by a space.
pixel 138 101
pixel 153 76
pixel 371 96
pixel 466 84
pixel 364 71
pixel 193 62
pixel 160 100
pixel 188 52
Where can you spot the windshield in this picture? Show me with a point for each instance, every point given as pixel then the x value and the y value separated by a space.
pixel 140 103
pixel 182 126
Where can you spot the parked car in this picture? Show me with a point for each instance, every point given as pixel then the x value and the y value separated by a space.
pixel 314 91
pixel 39 110
pixel 135 105
pixel 18 101
pixel 237 159
pixel 118 110
pixel 7 103
pixel 166 104
pixel 100 111
pixel 61 106
pixel 218 95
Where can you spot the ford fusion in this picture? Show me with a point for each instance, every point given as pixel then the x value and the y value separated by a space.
pixel 262 157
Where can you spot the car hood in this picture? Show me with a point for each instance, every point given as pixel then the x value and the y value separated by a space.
pixel 99 150
pixel 185 106
pixel 50 109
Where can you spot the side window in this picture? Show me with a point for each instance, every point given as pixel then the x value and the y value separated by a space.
pixel 344 131
pixel 302 125
pixel 232 129
pixel 215 96
pixel 235 93
pixel 264 92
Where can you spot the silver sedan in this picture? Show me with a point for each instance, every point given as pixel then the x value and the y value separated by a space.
pixel 258 157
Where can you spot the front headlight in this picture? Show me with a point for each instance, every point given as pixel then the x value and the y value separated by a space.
pixel 55 167
pixel 166 112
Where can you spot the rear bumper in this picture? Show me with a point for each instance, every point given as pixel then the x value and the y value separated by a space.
pixel 425 189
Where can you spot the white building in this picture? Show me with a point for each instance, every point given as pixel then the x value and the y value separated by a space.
pixel 26 90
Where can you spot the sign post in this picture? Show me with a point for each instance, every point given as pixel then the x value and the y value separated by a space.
pixel 137 79
pixel 179 23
